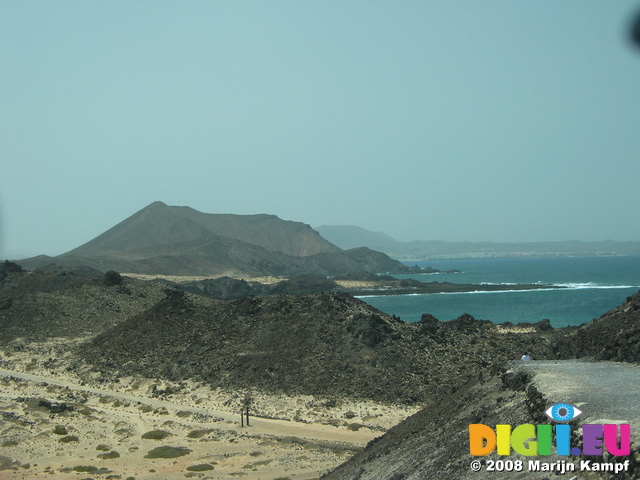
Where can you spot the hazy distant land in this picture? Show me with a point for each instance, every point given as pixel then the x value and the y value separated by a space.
pixel 221 251
pixel 349 236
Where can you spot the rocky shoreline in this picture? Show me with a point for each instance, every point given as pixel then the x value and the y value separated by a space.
pixel 409 288
pixel 357 284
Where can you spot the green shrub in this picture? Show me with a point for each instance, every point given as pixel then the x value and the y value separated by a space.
pixel 198 433
pixel 111 454
pixel 203 467
pixel 156 435
pixel 60 430
pixel 87 411
pixel 168 452
pixel 69 439
pixel 85 468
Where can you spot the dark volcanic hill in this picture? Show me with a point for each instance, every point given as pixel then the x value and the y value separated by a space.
pixel 37 306
pixel 614 336
pixel 162 239
pixel 160 224
pixel 326 344
pixel 433 443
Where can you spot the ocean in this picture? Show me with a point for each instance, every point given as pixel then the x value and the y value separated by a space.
pixel 593 285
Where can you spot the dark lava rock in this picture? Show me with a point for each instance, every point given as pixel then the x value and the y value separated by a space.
pixel 365 277
pixel 303 284
pixel 9 267
pixel 543 325
pixel 5 303
pixel 614 336
pixel 225 288
pixel 434 443
pixel 466 323
pixel 112 278
pixel 37 306
pixel 325 344
pixel 80 270
pixel 371 330
pixel 55 407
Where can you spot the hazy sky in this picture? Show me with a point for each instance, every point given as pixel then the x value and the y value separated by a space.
pixel 451 120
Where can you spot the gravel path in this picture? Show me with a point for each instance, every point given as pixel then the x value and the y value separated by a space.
pixel 606 392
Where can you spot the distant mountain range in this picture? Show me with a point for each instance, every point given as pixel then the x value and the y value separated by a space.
pixel 351 236
pixel 169 240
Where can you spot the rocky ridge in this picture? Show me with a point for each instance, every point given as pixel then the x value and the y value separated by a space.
pixel 434 443
pixel 36 306
pixel 319 344
pixel 614 336
pixel 421 447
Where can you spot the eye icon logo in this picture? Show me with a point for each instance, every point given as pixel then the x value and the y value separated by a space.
pixel 563 412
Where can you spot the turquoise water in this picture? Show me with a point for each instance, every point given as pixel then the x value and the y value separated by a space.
pixel 594 285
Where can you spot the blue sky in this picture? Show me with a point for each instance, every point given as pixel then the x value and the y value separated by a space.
pixel 436 120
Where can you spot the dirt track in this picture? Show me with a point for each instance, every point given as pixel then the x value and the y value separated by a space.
pixel 225 419
pixel 301 440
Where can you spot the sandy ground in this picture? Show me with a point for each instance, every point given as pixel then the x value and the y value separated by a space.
pixel 193 278
pixel 347 284
pixel 360 285
pixel 103 436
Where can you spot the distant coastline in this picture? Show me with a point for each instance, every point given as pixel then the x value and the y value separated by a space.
pixel 483 255
pixel 350 236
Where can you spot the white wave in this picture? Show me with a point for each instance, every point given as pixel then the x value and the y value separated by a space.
pixel 392 295
pixel 580 286
pixel 501 291
pixel 552 288
pixel 432 273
